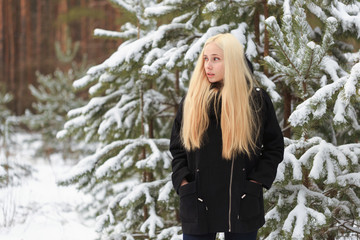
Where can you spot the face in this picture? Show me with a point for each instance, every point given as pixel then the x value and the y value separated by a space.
pixel 214 63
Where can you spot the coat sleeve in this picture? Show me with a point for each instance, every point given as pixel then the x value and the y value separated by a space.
pixel 179 162
pixel 273 145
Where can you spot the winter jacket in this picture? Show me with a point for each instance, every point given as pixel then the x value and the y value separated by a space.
pixel 219 196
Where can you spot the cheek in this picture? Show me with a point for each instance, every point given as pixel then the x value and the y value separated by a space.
pixel 222 69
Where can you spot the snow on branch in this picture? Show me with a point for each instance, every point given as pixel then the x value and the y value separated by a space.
pixel 195 49
pixel 269 86
pixel 352 195
pixel 115 34
pixel 128 147
pixel 164 192
pixel 328 160
pixel 279 40
pixel 324 160
pixel 349 179
pixel 134 50
pixel 139 192
pixel 291 160
pixel 121 116
pixel 166 58
pixel 349 225
pixel 303 112
pixel 158 10
pixel 297 219
pixel 114 163
pixel 88 164
pixel 154 158
pixel 131 197
pixel 83 82
pixel 316 10
pixel 152 222
pixel 171 233
pixel 348 15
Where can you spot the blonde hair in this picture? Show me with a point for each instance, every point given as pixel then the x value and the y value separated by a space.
pixel 238 121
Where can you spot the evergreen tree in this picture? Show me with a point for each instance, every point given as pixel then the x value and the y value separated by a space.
pixel 128 115
pixel 135 92
pixel 317 195
pixel 11 172
pixel 5 98
pixel 54 97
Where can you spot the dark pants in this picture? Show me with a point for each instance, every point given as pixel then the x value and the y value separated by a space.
pixel 228 236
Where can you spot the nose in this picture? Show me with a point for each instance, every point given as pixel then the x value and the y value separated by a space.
pixel 208 64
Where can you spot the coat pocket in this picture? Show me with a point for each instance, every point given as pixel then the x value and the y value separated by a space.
pixel 250 201
pixel 188 202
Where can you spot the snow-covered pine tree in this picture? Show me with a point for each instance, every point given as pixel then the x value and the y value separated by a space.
pixel 128 115
pixel 134 95
pixel 5 98
pixel 11 172
pixel 317 190
pixel 54 97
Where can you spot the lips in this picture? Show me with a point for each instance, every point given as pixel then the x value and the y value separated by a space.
pixel 210 74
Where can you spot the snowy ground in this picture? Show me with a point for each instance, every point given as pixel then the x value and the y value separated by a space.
pixel 38 208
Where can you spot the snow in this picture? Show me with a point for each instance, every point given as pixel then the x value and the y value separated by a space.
pixel 343 13
pixel 317 11
pixel 286 7
pixel 194 50
pixel 239 33
pixel 297 220
pixel 301 115
pixel 152 222
pixel 211 7
pixel 158 10
pixel 42 209
pixel 115 34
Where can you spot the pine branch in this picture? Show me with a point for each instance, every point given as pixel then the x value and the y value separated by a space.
pixel 347 225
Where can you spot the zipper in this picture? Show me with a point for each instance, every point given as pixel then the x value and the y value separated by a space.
pixel 230 187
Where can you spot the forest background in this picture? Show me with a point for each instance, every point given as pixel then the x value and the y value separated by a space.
pixel 38 35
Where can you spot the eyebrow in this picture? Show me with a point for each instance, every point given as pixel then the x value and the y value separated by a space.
pixel 213 54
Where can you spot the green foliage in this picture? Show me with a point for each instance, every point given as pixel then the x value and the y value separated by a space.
pixel 70 52
pixel 5 98
pixel 55 97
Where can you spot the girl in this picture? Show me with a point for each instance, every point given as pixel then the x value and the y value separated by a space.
pixel 226 145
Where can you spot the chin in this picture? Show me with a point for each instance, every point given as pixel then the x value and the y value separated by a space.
pixel 214 81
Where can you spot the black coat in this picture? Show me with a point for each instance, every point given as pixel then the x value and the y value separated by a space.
pixel 219 196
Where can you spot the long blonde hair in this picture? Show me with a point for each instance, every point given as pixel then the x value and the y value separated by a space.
pixel 238 121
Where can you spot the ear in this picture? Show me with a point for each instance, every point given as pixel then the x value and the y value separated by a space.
pixel 249 64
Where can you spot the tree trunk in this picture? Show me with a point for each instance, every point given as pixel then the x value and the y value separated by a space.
pixel 25 57
pixel 29 45
pixel 177 89
pixel 39 34
pixel 287 112
pixel 266 39
pixel 22 54
pixel 62 30
pixel 2 42
pixel 84 31
pixel 11 53
pixel 257 26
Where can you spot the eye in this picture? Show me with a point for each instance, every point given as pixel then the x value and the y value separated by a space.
pixel 206 59
pixel 216 59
